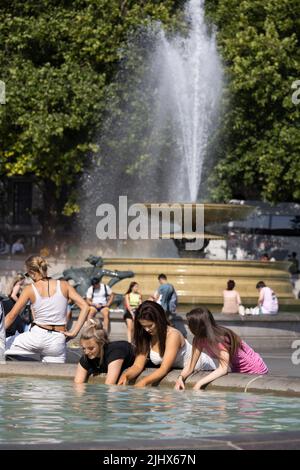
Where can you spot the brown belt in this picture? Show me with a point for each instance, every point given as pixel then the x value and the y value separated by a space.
pixel 57 328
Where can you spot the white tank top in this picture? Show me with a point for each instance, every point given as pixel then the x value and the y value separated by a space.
pixel 50 310
pixel 183 357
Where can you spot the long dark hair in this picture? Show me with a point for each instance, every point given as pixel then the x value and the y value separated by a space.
pixel 131 286
pixel 150 311
pixel 204 327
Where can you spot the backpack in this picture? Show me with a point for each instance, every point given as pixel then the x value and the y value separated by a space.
pixel 172 304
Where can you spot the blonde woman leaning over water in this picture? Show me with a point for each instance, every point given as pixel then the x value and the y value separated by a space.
pixel 102 356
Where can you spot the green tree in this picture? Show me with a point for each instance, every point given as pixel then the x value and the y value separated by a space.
pixel 58 59
pixel 259 148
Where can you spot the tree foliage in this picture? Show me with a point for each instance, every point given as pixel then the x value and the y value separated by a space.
pixel 58 59
pixel 259 152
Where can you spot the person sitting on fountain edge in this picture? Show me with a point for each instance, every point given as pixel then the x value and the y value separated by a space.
pixel 99 297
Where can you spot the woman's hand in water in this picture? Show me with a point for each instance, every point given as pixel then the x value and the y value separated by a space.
pixel 179 385
pixel 123 380
pixel 140 384
pixel 197 386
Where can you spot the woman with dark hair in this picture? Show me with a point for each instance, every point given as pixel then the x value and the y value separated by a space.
pixel 221 343
pixel 232 299
pixel 132 300
pixel 166 346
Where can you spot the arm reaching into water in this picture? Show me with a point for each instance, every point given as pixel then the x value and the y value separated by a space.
pixel 81 375
pixel 221 370
pixel 133 371
pixel 188 370
pixel 173 344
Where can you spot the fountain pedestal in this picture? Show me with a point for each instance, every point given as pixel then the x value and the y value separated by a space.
pixel 202 281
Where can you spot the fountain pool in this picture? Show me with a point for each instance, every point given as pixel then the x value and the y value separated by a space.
pixel 35 411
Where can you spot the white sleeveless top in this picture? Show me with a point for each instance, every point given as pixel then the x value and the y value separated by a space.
pixel 183 357
pixel 50 310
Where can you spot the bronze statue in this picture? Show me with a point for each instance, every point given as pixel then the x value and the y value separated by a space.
pixel 82 276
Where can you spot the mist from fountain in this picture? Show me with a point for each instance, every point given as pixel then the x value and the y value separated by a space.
pixel 153 148
pixel 189 74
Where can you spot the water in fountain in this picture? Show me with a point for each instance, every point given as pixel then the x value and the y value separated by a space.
pixel 190 83
pixel 154 142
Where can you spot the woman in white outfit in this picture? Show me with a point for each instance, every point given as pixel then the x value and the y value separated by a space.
pixel 49 299
pixel 166 346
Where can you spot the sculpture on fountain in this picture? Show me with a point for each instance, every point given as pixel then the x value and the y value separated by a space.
pixel 82 276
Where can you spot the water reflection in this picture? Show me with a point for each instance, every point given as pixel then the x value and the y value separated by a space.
pixel 55 411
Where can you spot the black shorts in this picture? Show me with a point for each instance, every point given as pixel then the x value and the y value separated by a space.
pixel 127 315
pixel 98 308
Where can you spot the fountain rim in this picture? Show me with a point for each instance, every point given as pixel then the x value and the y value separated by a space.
pixel 272 265
pixel 214 213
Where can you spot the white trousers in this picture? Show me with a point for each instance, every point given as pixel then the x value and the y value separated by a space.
pixel 49 345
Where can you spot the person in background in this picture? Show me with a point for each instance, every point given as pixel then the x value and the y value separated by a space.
pixel 16 286
pixel 232 299
pixel 166 346
pixel 132 300
pixel 221 343
pixel 99 297
pixel 294 267
pixel 2 335
pixel 4 247
pixel 101 356
pixel 19 325
pixel 267 300
pixel 18 247
pixel 166 295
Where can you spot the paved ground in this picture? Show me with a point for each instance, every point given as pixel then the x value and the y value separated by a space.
pixel 280 362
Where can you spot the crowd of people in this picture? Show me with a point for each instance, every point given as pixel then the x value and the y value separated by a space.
pixel 152 339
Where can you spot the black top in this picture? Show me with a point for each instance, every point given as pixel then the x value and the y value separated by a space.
pixel 112 351
pixel 18 323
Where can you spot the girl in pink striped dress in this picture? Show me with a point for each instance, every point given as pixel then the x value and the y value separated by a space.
pixel 220 343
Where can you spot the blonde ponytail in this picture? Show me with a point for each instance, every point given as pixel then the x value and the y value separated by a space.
pixel 37 264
